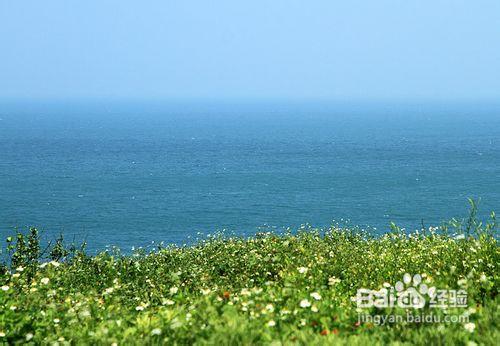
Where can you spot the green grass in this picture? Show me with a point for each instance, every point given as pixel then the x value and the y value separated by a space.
pixel 248 291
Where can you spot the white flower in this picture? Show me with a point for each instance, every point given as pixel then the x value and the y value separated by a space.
pixel 470 327
pixel 483 278
pixel 270 307
pixel 205 291
pixel 13 307
pixel 314 308
pixel 16 275
pixel 19 269
pixel 333 280
pixel 386 284
pixel 304 303
pixel 173 290
pixel 84 313
pixel 29 336
pixel 108 290
pixel 245 292
pixel 302 270
pixel 139 308
pixel 168 302
pixel 56 320
pixel 2 334
pixel 257 290
pixel 45 281
pixel 316 295
pixel 156 331
pixel 271 323
pixel 55 264
pixel 5 288
pixel 43 265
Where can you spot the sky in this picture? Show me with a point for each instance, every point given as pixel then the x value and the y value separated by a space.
pixel 259 49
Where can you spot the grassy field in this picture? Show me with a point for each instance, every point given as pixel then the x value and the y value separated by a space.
pixel 294 288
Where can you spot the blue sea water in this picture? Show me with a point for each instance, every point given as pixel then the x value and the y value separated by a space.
pixel 130 174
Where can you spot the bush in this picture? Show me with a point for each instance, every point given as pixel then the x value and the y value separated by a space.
pixel 289 288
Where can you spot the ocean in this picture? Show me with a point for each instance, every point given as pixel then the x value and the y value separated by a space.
pixel 129 174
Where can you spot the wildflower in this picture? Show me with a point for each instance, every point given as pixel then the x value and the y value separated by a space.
pixel 139 308
pixel 314 308
pixel 470 327
pixel 245 292
pixel 156 331
pixel 84 313
pixel 45 281
pixel 2 334
pixel 271 323
pixel 257 290
pixel 16 275
pixel 29 336
pixel 43 265
pixel 19 269
pixel 270 307
pixel 304 303
pixel 13 307
pixel 316 295
pixel 168 302
pixel 56 320
pixel 386 284
pixel 5 288
pixel 483 278
pixel 302 270
pixel 324 332
pixel 333 280
pixel 174 290
pixel 205 291
pixel 55 264
pixel 175 323
pixel 108 290
pixel 226 295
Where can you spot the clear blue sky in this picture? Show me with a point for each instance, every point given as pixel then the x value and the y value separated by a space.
pixel 420 49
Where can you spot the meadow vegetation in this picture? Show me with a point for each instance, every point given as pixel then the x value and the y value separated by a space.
pixel 291 288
